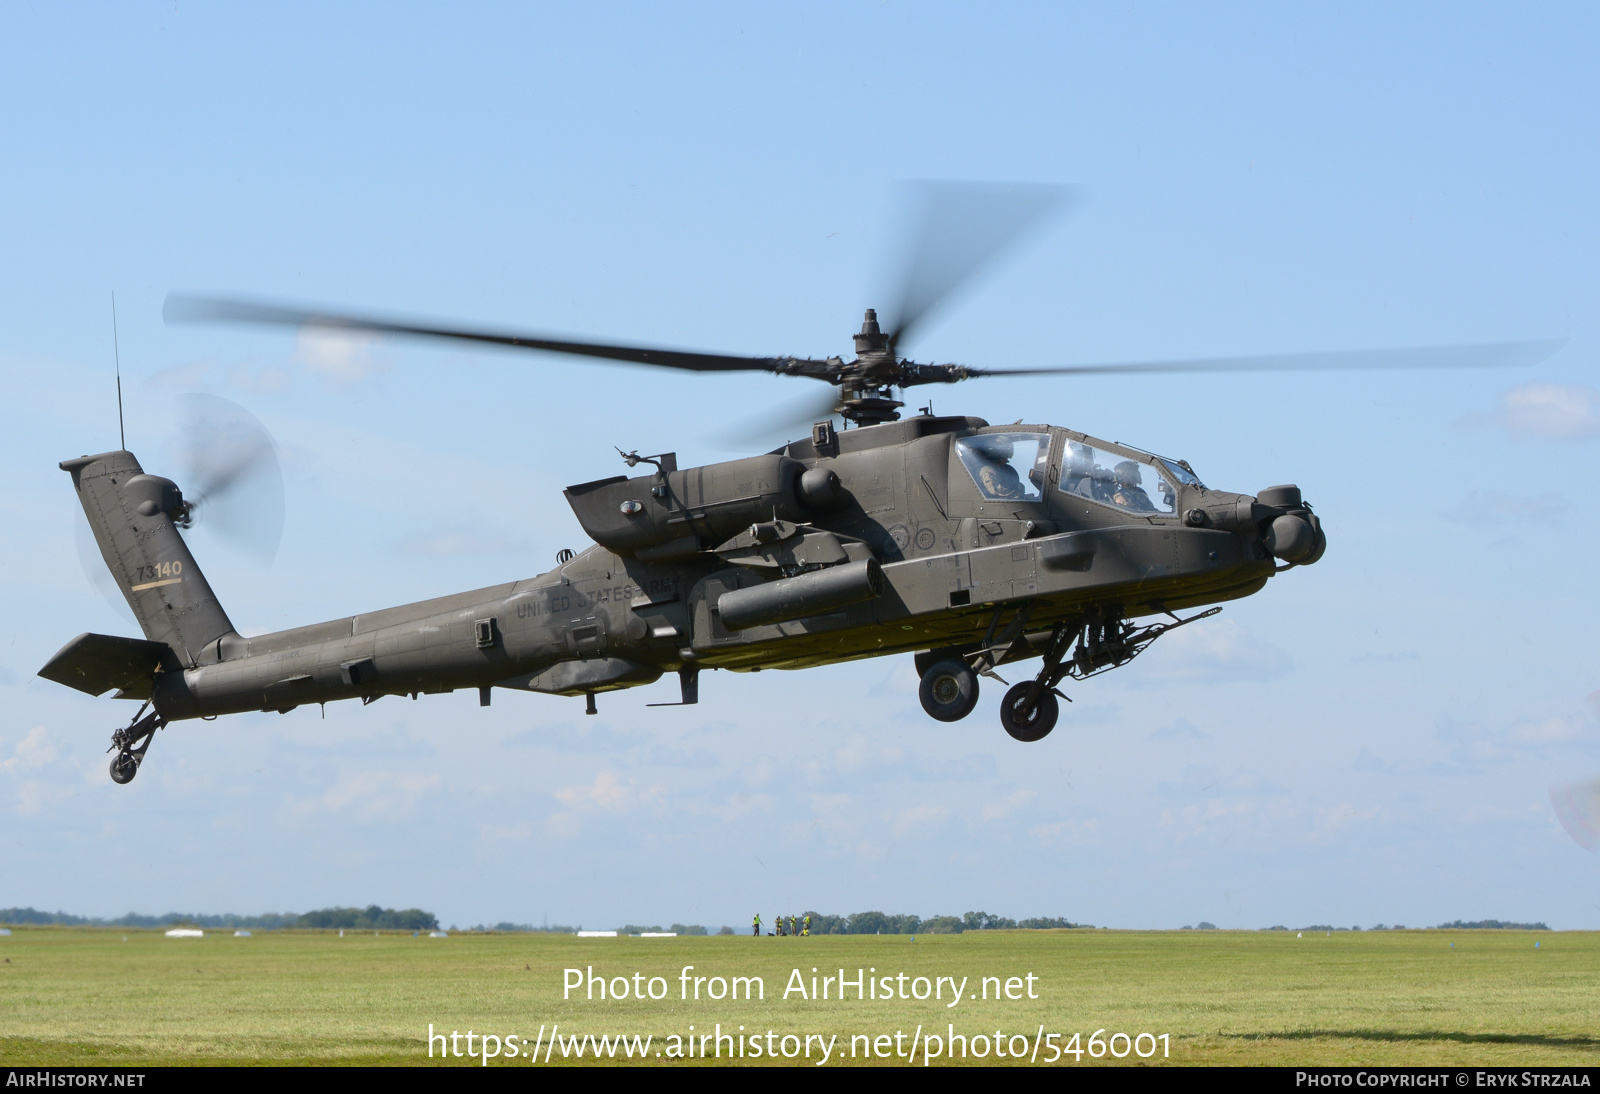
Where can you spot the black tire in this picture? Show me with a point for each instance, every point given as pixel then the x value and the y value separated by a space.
pixel 949 690
pixel 123 768
pixel 1039 721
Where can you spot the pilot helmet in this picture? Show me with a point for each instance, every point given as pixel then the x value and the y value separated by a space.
pixel 1126 473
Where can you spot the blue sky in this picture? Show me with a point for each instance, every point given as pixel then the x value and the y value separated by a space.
pixel 1370 740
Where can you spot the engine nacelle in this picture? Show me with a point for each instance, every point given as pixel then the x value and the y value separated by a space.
pixel 678 513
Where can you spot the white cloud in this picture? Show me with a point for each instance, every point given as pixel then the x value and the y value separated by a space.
pixel 1331 820
pixel 919 820
pixel 260 381
pixel 1065 832
pixel 376 795
pixel 1562 729
pixel 338 354
pixel 32 752
pixel 1180 730
pixel 609 793
pixel 1551 411
pixel 1219 650
pixel 1008 804
pixel 35 764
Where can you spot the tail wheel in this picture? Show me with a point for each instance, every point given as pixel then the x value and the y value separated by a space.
pixel 949 690
pixel 124 766
pixel 1029 723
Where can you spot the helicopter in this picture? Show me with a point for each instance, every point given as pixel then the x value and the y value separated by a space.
pixel 969 545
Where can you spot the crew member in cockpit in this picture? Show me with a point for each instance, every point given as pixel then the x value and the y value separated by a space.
pixel 996 476
pixel 999 480
pixel 1127 489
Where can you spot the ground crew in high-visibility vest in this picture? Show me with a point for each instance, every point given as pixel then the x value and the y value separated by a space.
pixel 805 931
pixel 792 926
pixel 780 926
pixel 757 926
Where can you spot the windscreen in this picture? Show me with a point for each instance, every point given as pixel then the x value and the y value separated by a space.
pixel 1006 466
pixel 1115 479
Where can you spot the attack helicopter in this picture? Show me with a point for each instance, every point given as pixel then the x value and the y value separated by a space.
pixel 970 546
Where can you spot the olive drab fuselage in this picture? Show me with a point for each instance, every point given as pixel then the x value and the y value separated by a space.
pixel 927 534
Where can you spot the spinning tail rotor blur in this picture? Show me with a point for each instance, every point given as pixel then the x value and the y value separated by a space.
pixel 231 475
pixel 227 467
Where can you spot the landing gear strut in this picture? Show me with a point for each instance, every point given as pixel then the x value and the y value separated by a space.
pixel 130 745
pixel 1104 642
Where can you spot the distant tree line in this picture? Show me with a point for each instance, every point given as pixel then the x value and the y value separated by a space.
pixel 370 918
pixel 1455 924
pixel 883 923
pixel 34 917
pixel 506 927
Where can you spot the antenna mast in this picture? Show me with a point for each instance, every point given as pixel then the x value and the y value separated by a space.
pixel 122 432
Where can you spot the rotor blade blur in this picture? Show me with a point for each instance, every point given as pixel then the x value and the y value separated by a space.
pixel 180 308
pixel 94 567
pixel 232 474
pixel 1478 355
pixel 1577 806
pixel 783 423
pixel 956 230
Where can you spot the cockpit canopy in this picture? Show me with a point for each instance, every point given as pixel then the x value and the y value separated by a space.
pixel 1015 466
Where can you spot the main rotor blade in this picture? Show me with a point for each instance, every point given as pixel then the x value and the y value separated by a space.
pixel 1477 355
pixel 180 308
pixel 781 423
pixel 959 228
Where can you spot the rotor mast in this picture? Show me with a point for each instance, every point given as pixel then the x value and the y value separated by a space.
pixel 866 395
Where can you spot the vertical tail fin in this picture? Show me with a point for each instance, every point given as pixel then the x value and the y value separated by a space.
pixel 135 518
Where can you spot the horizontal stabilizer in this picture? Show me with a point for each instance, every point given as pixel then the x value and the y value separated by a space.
pixel 98 663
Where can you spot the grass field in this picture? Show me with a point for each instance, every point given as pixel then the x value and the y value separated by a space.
pixel 75 996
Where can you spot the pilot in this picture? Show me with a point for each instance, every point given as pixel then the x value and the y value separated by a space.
pixel 996 477
pixel 1127 490
pixel 999 480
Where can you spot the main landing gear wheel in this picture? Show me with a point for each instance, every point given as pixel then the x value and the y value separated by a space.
pixel 124 766
pixel 949 690
pixel 1026 723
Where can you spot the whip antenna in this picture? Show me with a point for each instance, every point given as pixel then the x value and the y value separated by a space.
pixel 116 349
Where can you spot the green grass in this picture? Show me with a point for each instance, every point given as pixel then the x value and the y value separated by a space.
pixel 94 996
